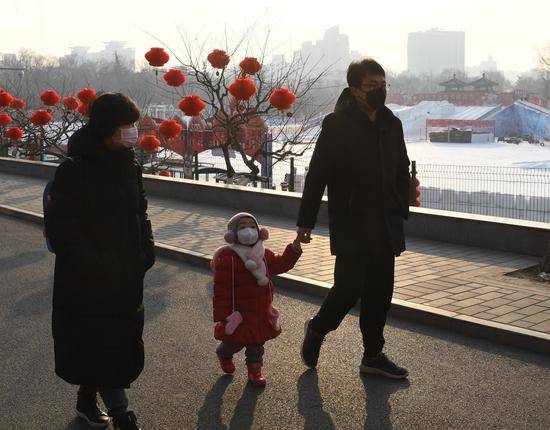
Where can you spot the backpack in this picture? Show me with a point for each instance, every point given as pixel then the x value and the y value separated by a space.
pixel 47 201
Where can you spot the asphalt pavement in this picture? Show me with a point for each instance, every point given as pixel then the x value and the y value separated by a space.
pixel 456 382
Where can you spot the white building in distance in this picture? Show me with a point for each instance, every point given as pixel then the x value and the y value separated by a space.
pixel 114 50
pixel 434 50
pixel 331 52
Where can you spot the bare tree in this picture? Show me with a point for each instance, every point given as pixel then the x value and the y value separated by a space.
pixel 544 61
pixel 224 113
pixel 38 141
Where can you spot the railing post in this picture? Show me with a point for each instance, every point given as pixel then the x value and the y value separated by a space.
pixel 291 181
pixel 196 162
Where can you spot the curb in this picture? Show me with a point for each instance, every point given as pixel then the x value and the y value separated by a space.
pixel 400 309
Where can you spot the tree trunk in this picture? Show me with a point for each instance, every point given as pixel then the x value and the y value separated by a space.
pixel 545 264
pixel 250 164
pixel 230 170
pixel 188 165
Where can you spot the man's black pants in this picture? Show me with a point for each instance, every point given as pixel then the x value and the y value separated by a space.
pixel 368 277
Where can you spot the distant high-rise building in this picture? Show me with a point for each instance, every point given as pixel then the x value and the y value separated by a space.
pixel 113 51
pixel 331 52
pixel 434 50
pixel 8 59
pixel 355 56
pixel 488 65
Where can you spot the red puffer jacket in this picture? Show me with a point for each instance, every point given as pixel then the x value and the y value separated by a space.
pixel 251 300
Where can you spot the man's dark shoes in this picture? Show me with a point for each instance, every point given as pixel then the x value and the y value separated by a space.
pixel 127 421
pixel 89 412
pixel 311 345
pixel 382 365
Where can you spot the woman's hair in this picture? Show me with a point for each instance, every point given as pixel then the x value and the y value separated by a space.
pixel 110 111
pixel 359 69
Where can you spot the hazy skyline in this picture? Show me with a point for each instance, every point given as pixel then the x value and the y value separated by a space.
pixel 513 34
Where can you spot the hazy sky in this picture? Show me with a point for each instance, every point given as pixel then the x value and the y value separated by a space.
pixel 513 32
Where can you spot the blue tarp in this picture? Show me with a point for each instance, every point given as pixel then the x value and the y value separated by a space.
pixel 522 118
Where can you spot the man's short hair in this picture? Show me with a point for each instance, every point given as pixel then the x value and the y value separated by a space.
pixel 110 111
pixel 359 69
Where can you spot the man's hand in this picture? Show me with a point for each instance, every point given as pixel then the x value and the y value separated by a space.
pixel 303 235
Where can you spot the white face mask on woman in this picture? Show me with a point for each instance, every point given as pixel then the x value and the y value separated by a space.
pixel 128 136
pixel 248 236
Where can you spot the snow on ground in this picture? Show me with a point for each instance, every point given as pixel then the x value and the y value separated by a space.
pixel 524 155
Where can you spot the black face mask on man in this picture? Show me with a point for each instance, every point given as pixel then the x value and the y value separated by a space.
pixel 376 98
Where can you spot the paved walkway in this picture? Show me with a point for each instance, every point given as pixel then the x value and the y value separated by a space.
pixel 460 279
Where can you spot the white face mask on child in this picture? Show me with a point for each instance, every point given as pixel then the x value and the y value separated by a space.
pixel 248 236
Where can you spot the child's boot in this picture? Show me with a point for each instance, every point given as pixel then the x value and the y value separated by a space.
pixel 255 374
pixel 227 365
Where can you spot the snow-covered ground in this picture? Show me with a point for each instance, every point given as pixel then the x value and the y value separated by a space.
pixel 524 155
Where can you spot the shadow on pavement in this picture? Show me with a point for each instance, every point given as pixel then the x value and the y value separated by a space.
pixel 310 403
pixel 79 424
pixel 378 391
pixel 155 289
pixel 36 303
pixel 480 344
pixel 209 415
pixel 21 260
pixel 243 416
pixel 442 333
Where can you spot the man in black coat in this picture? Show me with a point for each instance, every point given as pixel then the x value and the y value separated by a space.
pixel 97 222
pixel 361 157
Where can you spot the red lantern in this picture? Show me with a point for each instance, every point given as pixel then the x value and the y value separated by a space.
pixel 242 88
pixel 50 98
pixel 17 104
pixel 14 133
pixel 70 102
pixel 174 77
pixel 170 128
pixel 86 95
pixel 282 98
pixel 5 119
pixel 5 99
pixel 250 65
pixel 149 143
pixel 192 105
pixel 84 109
pixel 218 59
pixel 164 173
pixel 417 192
pixel 41 117
pixel 157 57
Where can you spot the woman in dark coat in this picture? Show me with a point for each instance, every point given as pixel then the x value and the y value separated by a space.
pixel 97 222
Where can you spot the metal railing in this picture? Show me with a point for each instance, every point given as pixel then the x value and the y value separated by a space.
pixel 509 192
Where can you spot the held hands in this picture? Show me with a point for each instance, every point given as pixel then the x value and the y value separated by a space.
pixel 303 235
pixel 296 245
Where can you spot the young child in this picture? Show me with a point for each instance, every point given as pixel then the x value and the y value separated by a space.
pixel 243 293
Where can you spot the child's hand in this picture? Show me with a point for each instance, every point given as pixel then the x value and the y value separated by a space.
pixel 296 245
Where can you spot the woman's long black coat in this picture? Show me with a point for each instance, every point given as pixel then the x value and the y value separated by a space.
pixel 103 242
